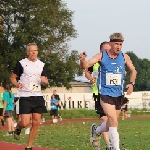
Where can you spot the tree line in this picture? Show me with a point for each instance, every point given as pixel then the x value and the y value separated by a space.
pixel 49 24
pixel 143 73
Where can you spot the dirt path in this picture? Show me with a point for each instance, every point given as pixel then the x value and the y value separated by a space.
pixel 10 146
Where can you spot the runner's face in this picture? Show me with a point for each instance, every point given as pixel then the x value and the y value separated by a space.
pixel 54 92
pixel 116 47
pixel 32 52
pixel 105 47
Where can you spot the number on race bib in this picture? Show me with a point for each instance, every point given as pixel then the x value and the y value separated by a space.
pixel 35 87
pixel 113 79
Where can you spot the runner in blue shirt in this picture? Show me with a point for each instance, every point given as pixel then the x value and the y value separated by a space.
pixel 113 64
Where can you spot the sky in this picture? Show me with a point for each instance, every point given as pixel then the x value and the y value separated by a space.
pixel 96 20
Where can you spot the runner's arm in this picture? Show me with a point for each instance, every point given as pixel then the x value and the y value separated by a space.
pixel 88 73
pixel 17 71
pixel 86 64
pixel 132 74
pixel 131 67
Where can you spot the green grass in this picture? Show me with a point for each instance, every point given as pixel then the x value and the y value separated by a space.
pixel 134 134
pixel 84 113
pixel 75 113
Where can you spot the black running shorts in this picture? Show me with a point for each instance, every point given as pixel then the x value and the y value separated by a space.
pixel 32 104
pixel 8 114
pixel 54 112
pixel 1 111
pixel 98 107
pixel 117 101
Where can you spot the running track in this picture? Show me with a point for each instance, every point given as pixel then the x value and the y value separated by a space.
pixel 10 146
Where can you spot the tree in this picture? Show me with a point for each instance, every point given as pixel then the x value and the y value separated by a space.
pixel 61 72
pixel 135 61
pixel 144 74
pixel 142 67
pixel 47 23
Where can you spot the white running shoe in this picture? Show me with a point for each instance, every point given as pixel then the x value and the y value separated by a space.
pixel 109 146
pixel 8 134
pixel 95 138
pixel 60 118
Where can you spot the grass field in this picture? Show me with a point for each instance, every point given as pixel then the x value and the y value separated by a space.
pixel 134 135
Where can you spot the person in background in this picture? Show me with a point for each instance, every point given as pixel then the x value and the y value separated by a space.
pixel 59 102
pixel 42 116
pixel 124 107
pixel 8 98
pixel 16 101
pixel 1 109
pixel 54 107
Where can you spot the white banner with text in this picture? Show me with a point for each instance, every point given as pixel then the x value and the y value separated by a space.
pixel 84 100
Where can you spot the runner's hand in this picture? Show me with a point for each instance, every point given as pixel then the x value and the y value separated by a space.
pixel 82 56
pixel 93 80
pixel 20 85
pixel 129 89
pixel 44 80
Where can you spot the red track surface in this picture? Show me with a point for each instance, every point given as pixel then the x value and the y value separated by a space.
pixel 10 146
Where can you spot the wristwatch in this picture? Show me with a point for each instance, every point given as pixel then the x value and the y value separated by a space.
pixel 133 83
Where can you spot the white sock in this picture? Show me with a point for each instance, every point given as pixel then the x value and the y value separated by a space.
pixel 101 128
pixel 114 137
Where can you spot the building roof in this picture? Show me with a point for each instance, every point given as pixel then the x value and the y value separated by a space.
pixel 82 79
pixel 79 83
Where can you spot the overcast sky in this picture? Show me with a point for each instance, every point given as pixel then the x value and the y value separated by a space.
pixel 95 20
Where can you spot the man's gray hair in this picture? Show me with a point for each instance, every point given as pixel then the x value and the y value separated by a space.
pixel 27 47
pixel 116 36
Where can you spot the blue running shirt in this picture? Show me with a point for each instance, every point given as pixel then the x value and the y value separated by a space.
pixel 53 105
pixel 112 75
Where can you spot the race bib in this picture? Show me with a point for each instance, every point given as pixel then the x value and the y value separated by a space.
pixel 95 74
pixel 35 87
pixel 113 79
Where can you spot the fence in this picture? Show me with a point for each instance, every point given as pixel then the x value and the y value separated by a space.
pixel 84 100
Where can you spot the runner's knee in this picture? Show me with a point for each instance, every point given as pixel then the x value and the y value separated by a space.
pixel 113 122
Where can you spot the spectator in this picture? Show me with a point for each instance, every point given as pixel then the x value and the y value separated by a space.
pixel 8 98
pixel 59 102
pixel 16 101
pixel 124 107
pixel 1 109
pixel 54 107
